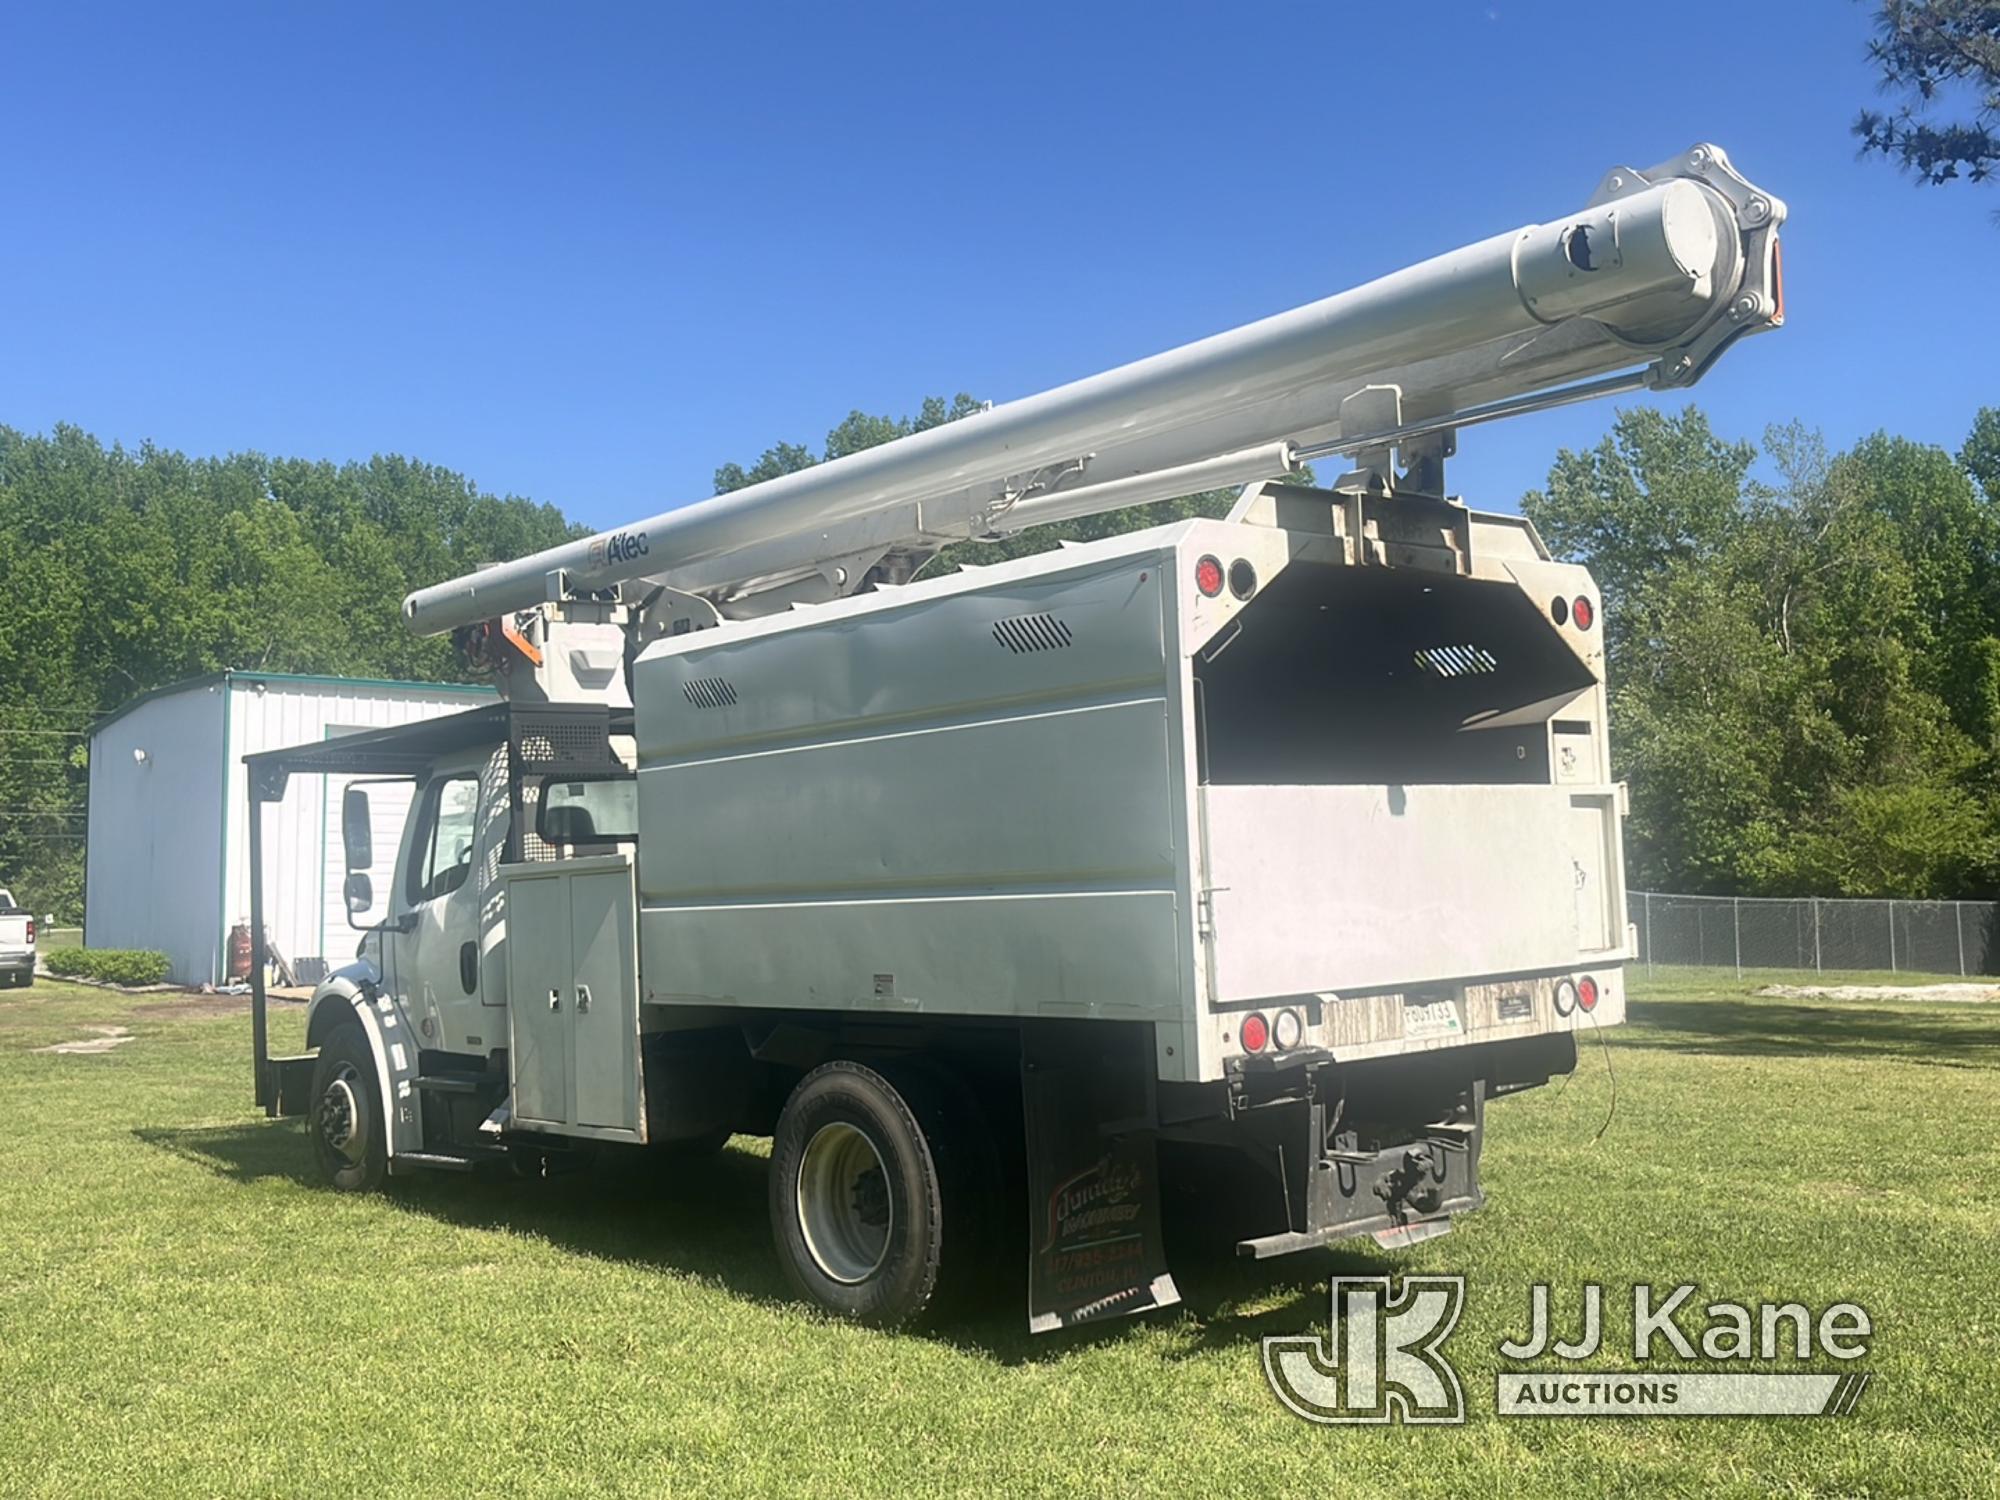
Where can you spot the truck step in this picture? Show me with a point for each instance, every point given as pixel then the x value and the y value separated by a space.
pixel 456 1083
pixel 465 1159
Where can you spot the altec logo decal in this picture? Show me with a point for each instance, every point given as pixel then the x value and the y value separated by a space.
pixel 1385 1359
pixel 619 547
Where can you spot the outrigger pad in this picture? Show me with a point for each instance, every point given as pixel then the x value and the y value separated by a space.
pixel 1093 1174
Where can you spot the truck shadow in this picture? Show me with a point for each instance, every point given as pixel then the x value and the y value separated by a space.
pixel 1958 1036
pixel 707 1219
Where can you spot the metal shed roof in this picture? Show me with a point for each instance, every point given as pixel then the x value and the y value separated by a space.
pixel 296 679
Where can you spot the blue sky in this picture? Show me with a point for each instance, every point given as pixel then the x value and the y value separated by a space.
pixel 586 253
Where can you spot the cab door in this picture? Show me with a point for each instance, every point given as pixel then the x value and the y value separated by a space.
pixel 457 838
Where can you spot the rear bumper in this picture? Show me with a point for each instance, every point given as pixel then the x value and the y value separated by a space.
pixel 17 963
pixel 1388 1147
pixel 1353 1186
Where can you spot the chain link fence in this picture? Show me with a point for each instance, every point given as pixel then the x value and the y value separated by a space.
pixel 1818 933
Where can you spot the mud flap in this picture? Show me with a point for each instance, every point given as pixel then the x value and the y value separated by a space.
pixel 1094 1247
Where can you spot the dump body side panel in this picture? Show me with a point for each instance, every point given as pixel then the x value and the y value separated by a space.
pixel 964 804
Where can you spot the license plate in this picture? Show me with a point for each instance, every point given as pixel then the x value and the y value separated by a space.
pixel 1426 1018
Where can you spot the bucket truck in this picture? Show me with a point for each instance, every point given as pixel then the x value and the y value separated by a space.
pixel 1245 859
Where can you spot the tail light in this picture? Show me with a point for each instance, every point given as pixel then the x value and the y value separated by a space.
pixel 1288 1030
pixel 31 932
pixel 1559 610
pixel 1586 993
pixel 1583 612
pixel 1242 578
pixel 1256 1033
pixel 1208 576
pixel 1565 998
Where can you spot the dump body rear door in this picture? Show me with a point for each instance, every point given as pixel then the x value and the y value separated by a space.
pixel 1330 888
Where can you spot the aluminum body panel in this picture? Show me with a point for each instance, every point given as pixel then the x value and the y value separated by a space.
pixel 960 797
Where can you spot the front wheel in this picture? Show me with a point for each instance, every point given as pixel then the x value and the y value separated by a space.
pixel 345 1120
pixel 858 1194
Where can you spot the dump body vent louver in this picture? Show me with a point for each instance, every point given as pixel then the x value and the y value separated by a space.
pixel 1456 661
pixel 708 692
pixel 1038 632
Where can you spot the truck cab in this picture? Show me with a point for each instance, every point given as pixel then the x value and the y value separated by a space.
pixel 17 942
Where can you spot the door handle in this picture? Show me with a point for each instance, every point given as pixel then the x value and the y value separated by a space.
pixel 555 999
pixel 468 966
pixel 582 998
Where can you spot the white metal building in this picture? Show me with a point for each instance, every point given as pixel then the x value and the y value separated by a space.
pixel 168 852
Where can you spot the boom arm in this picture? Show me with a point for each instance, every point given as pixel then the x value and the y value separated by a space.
pixel 1644 287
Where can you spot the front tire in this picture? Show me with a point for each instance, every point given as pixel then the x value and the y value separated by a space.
pixel 345 1119
pixel 859 1193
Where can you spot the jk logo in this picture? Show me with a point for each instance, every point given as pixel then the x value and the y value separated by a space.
pixel 1382 1362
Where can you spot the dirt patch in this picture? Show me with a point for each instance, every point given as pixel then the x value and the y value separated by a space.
pixel 1964 994
pixel 104 1039
pixel 192 1005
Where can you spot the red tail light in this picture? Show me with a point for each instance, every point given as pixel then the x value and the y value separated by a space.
pixel 1582 612
pixel 1256 1033
pixel 1586 993
pixel 31 932
pixel 1208 576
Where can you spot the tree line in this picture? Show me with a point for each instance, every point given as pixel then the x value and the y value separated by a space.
pixel 1804 646
pixel 128 569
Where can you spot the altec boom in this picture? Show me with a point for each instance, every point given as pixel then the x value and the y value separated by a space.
pixel 1646 285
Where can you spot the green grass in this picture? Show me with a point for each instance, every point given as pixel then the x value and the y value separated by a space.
pixel 183 1312
pixel 49 938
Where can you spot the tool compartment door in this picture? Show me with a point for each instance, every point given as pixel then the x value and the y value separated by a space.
pixel 537 984
pixel 605 1025
pixel 573 998
pixel 1316 889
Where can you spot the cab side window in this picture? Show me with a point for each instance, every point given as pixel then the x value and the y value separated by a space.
pixel 443 850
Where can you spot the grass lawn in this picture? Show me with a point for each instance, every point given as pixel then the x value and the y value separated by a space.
pixel 183 1312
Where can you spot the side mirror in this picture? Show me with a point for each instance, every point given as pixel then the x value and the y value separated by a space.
pixel 358 891
pixel 357 835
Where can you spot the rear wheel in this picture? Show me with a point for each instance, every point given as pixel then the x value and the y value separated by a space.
pixel 345 1119
pixel 860 1185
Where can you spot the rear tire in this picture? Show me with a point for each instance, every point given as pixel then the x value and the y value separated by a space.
pixel 345 1118
pixel 861 1180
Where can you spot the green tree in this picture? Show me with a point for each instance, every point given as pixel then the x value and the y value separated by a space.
pixel 1804 676
pixel 126 570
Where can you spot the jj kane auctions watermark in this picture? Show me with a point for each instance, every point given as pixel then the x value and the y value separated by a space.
pixel 1384 1360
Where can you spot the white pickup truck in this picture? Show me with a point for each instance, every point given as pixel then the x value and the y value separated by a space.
pixel 17 941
